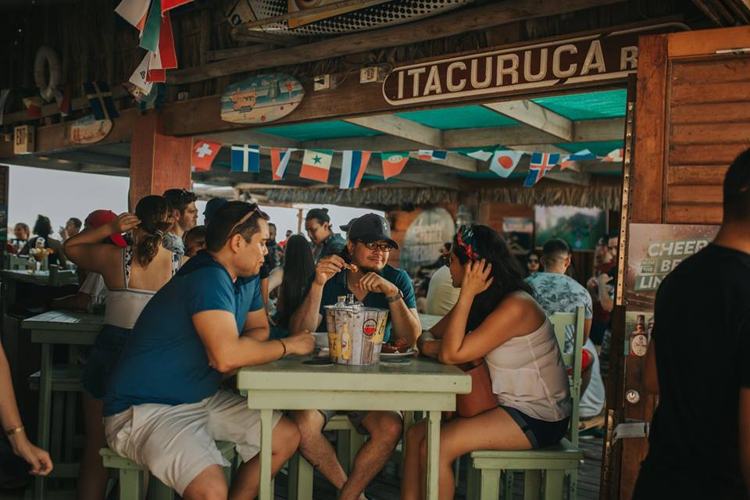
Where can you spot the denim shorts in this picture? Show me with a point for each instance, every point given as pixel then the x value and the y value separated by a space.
pixel 102 359
pixel 539 432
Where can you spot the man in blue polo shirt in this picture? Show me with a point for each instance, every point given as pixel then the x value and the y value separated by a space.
pixel 163 407
pixel 376 284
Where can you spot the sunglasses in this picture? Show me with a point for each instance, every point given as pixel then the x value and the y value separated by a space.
pixel 374 245
pixel 236 228
pixel 533 261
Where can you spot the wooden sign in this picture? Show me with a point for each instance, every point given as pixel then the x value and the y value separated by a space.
pixel 23 139
pixel 552 64
pixel 261 99
pixel 88 130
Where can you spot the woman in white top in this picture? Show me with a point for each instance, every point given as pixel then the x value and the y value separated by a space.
pixel 495 319
pixel 133 274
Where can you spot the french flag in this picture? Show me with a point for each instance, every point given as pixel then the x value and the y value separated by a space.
pixel 353 166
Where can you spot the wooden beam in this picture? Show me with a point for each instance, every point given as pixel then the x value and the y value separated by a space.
pixel 251 136
pixel 281 40
pixel 454 160
pixel 454 23
pixel 535 116
pixel 252 26
pixel 221 54
pixel 607 129
pixel 401 128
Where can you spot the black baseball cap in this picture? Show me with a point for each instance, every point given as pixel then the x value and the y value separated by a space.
pixel 212 206
pixel 369 228
pixel 345 227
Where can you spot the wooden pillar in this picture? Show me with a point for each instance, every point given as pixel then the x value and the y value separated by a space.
pixel 157 161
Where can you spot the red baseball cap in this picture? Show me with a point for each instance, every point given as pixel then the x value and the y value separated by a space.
pixel 98 218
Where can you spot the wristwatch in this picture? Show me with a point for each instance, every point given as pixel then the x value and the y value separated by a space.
pixel 396 296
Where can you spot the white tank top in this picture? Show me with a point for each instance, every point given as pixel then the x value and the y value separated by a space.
pixel 124 305
pixel 528 374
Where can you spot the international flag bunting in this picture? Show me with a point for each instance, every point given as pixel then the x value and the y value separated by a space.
pixel 150 33
pixel 139 78
pixel 504 162
pixel 481 155
pixel 100 99
pixel 245 158
pixel 429 154
pixel 614 155
pixel 316 165
pixel 133 11
pixel 569 161
pixel 353 166
pixel 203 155
pixel 279 161
pixel 171 4
pixel 540 164
pixel 167 52
pixel 393 162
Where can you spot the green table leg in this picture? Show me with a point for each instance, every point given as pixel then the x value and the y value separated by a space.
pixel 265 454
pixel 433 454
pixel 45 398
pixel 553 484
pixel 489 488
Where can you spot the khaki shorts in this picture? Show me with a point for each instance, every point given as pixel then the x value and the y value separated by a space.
pixel 177 443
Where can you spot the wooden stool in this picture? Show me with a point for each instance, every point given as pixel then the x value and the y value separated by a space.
pixel 132 476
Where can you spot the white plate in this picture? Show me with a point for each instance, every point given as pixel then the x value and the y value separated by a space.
pixel 397 355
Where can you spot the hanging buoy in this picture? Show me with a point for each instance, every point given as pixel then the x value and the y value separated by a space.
pixel 47 62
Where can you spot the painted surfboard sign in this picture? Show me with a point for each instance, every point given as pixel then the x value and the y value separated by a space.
pixel 88 130
pixel 261 98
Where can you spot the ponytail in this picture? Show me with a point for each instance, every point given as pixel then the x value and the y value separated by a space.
pixel 153 212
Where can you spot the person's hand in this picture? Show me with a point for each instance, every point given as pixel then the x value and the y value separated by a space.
pixel 477 277
pixel 37 458
pixel 124 223
pixel 302 343
pixel 603 280
pixel 327 268
pixel 373 282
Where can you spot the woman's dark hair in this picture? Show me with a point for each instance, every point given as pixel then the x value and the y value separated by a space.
pixel 153 211
pixel 299 270
pixel 179 199
pixel 42 226
pixel 225 223
pixel 319 214
pixel 478 242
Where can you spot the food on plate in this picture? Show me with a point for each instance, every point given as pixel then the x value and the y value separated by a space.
pixel 399 346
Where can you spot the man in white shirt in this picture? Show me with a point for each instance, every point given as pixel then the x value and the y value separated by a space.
pixel 441 294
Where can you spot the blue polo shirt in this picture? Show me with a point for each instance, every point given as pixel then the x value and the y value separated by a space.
pixel 336 286
pixel 164 360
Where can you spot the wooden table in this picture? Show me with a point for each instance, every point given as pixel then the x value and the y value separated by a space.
pixel 48 329
pixel 288 384
pixel 62 277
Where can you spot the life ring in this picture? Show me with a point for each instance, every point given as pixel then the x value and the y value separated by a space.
pixel 47 61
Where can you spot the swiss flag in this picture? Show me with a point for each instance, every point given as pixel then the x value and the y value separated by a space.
pixel 204 153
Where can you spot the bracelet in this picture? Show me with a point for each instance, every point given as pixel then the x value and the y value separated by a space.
pixel 395 297
pixel 15 430
pixel 284 346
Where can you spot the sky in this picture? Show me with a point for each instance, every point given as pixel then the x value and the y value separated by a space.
pixel 60 195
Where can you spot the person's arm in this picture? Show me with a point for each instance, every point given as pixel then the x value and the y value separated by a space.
pixel 307 316
pixel 404 319
pixel 256 325
pixel 499 326
pixel 603 290
pixel 264 291
pixel 744 435
pixel 40 462
pixel 228 351
pixel 78 302
pixel 86 249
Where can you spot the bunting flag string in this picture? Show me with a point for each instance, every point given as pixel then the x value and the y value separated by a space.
pixel 316 163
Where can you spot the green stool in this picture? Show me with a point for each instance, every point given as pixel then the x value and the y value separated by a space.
pixel 348 443
pixel 132 476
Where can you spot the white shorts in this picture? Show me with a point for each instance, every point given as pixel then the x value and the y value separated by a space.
pixel 177 443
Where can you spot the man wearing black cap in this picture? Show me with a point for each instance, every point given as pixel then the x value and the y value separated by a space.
pixel 376 284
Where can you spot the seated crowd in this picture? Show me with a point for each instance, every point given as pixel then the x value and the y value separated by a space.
pixel 187 305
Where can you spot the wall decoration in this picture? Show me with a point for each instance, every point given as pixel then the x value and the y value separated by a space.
pixel 426 234
pixel 656 249
pixel 23 139
pixel 261 99
pixel 579 227
pixel 519 233
pixel 88 130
